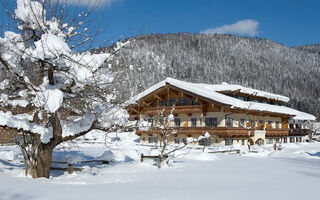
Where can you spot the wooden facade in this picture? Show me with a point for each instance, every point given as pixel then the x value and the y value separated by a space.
pixel 245 123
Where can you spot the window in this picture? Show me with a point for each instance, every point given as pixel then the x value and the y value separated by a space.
pixel 194 102
pixel 251 122
pixel 184 140
pixel 184 101
pixel 242 142
pixel 269 140
pixel 229 122
pixel 260 142
pixel 177 121
pixel 161 103
pixel 150 120
pixel 205 142
pixel 285 140
pixel 270 124
pixel 260 123
pixel 152 140
pixel 176 140
pixel 229 141
pixel 291 139
pixel 241 123
pixel 170 102
pixel 277 124
pixel 193 121
pixel 277 140
pixel 211 122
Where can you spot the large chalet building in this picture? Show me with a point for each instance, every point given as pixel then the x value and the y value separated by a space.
pixel 231 114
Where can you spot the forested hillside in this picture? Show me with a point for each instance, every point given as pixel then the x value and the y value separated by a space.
pixel 314 48
pixel 258 63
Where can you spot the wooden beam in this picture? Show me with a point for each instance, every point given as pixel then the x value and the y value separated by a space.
pixel 157 97
pixel 145 103
pixel 134 110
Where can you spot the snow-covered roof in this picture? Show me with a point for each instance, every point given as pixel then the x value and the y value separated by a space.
pixel 246 90
pixel 206 91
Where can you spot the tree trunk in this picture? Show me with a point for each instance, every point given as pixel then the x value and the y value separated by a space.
pixel 160 160
pixel 44 160
pixel 44 156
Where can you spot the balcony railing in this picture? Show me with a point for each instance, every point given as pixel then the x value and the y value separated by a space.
pixel 276 132
pixel 177 109
pixel 299 132
pixel 225 132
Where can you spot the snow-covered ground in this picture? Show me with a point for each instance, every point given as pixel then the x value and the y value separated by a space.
pixel 293 173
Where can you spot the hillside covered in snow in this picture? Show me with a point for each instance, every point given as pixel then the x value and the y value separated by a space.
pixel 257 63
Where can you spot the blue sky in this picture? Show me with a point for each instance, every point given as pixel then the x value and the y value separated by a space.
pixel 290 22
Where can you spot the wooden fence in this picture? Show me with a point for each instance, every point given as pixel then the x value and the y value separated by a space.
pixel 70 169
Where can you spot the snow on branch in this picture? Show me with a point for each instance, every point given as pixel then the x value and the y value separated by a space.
pixel 65 87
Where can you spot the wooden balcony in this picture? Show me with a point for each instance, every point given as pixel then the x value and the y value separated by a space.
pixel 299 132
pixel 224 132
pixel 177 109
pixel 275 132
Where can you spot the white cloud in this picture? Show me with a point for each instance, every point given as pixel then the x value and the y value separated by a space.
pixel 242 27
pixel 89 2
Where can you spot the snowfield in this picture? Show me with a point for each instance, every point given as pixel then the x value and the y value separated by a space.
pixel 293 173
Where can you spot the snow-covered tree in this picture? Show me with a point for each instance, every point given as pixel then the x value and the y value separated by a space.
pixel 167 130
pixel 50 92
pixel 313 127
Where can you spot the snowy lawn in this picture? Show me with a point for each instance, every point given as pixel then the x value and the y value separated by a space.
pixel 293 173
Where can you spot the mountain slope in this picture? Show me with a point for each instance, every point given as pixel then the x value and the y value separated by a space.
pixel 258 63
pixel 313 48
